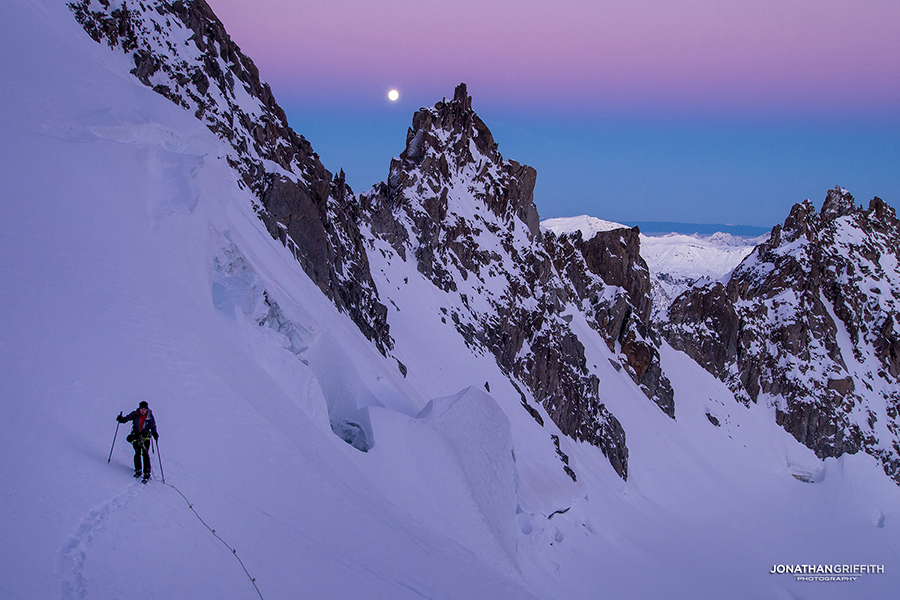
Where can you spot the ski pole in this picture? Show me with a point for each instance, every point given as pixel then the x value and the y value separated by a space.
pixel 114 442
pixel 159 456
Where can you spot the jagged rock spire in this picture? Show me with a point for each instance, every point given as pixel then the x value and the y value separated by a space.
pixel 838 203
pixel 450 140
pixel 466 216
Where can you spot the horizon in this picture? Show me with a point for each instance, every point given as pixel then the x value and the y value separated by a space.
pixel 662 228
pixel 698 113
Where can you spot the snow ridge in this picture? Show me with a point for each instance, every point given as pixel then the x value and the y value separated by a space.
pixel 182 51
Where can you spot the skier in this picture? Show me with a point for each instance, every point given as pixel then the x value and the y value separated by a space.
pixel 142 428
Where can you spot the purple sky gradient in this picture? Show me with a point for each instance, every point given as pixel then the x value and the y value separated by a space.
pixel 539 68
pixel 765 55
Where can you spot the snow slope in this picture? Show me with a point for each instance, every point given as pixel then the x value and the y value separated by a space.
pixel 135 268
pixel 116 207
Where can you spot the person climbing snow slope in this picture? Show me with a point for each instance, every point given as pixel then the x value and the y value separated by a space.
pixel 142 429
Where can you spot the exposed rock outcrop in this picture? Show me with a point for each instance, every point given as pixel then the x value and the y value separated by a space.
pixel 611 281
pixel 809 320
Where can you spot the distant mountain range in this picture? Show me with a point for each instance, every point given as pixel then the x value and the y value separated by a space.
pixel 664 227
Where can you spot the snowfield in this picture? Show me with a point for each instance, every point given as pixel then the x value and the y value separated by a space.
pixel 134 267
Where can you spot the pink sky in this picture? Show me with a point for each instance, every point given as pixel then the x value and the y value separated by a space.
pixel 766 55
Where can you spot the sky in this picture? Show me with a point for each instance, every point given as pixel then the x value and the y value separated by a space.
pixel 698 111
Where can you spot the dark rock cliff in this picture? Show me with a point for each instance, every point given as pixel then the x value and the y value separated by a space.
pixel 619 304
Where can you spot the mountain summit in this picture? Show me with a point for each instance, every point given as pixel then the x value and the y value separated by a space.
pixel 808 322
pixel 464 217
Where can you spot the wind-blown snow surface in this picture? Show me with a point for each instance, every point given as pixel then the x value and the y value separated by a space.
pixel 134 268
pixel 676 261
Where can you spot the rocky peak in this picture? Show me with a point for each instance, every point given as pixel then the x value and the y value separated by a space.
pixel 809 323
pixel 800 223
pixel 447 129
pixel 465 217
pixel 881 217
pixel 449 141
pixel 838 203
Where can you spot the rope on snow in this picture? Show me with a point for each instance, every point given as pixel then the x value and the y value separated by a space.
pixel 213 531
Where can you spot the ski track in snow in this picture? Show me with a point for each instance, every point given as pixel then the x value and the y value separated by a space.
pixel 73 553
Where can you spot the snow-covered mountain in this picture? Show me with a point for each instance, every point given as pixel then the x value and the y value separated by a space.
pixel 410 392
pixel 676 261
pixel 457 214
pixel 807 323
pixel 588 226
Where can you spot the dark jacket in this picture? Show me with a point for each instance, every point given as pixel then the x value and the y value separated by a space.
pixel 149 425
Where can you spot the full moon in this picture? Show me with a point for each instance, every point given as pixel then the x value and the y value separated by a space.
pixel 393 95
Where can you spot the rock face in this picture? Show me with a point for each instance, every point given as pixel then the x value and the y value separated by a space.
pixel 809 321
pixel 182 51
pixel 608 277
